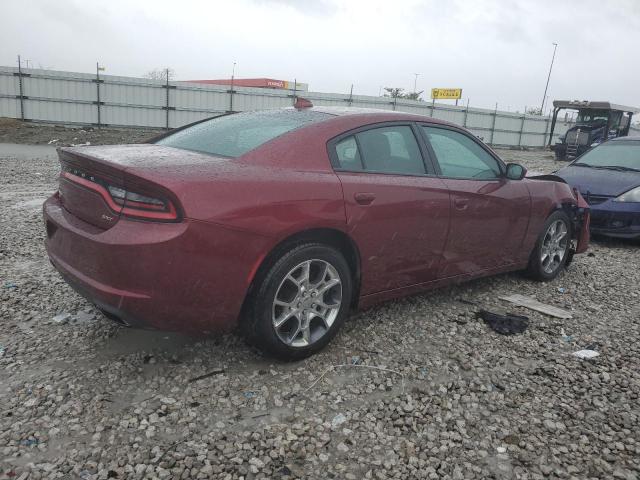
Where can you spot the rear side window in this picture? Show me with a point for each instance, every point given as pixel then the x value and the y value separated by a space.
pixel 348 154
pixel 237 134
pixel 459 156
pixel 385 149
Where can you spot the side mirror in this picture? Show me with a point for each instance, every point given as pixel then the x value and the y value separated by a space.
pixel 515 171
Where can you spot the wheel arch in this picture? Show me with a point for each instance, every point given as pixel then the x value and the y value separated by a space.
pixel 534 267
pixel 557 206
pixel 563 206
pixel 332 237
pixel 571 209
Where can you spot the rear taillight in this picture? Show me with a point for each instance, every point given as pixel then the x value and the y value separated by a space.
pixel 142 206
pixel 125 202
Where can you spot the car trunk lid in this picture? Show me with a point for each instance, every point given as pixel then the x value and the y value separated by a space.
pixel 84 181
pixel 95 180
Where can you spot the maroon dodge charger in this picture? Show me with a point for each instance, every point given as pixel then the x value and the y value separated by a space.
pixel 282 221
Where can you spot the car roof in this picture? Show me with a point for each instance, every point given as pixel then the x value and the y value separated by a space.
pixel 341 111
pixel 599 105
pixel 374 114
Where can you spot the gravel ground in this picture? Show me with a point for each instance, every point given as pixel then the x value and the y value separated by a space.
pixel 14 131
pixel 416 388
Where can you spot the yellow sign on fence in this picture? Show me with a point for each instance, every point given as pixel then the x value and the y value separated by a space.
pixel 446 93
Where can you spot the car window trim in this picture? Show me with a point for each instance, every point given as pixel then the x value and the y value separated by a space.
pixel 501 165
pixel 427 155
pixel 335 162
pixel 360 156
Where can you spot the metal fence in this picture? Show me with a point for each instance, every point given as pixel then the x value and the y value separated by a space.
pixel 106 100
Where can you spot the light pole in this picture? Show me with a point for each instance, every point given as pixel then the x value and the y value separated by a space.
pixel 98 70
pixel 544 97
pixel 233 73
pixel 415 82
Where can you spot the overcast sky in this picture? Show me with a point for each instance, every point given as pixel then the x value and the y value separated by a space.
pixel 495 50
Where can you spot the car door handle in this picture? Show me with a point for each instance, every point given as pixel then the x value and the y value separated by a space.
pixel 364 198
pixel 461 203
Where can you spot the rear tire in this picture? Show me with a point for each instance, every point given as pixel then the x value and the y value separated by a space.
pixel 552 249
pixel 299 303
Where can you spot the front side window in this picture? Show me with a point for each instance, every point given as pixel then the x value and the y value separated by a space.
pixel 237 134
pixel 460 156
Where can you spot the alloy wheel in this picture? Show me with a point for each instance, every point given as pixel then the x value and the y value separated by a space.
pixel 554 246
pixel 307 303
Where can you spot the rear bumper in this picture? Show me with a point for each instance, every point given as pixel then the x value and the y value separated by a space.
pixel 190 277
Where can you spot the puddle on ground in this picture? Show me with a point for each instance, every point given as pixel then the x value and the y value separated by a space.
pixel 127 341
pixel 24 150
pixel 35 204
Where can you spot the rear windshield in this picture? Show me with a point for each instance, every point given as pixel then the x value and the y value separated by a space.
pixel 613 154
pixel 235 135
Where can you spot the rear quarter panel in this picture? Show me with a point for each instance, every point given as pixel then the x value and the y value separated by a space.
pixel 268 201
pixel 257 204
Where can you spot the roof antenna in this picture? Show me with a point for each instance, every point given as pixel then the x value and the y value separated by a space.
pixel 302 103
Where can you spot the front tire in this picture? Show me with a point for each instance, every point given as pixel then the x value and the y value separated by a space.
pixel 552 250
pixel 300 303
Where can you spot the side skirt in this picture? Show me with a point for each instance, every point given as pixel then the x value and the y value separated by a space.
pixel 367 301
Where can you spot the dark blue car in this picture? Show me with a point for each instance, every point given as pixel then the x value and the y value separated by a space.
pixel 608 177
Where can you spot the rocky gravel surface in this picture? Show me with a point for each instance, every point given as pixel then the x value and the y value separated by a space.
pixel 416 388
pixel 14 131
